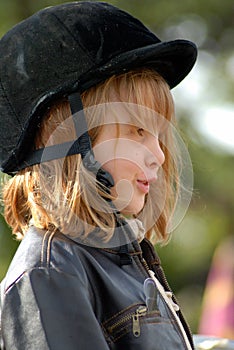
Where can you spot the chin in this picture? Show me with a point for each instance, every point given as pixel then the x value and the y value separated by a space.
pixel 132 212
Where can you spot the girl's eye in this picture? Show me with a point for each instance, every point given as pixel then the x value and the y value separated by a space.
pixel 140 131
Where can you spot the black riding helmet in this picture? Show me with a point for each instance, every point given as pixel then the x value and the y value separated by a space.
pixel 66 49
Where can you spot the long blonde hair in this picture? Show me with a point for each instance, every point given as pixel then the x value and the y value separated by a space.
pixel 56 194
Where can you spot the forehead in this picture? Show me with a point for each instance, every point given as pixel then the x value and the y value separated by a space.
pixel 124 113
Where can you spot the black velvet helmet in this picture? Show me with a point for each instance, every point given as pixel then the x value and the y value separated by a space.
pixel 68 48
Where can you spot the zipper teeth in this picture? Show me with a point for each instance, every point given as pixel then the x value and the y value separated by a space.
pixel 122 320
pixel 184 323
pixel 125 318
pixel 179 327
pixel 145 265
pixel 163 278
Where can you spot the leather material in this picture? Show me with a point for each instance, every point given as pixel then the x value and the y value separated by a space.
pixel 59 294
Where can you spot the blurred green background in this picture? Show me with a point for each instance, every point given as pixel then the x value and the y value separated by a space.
pixel 205 111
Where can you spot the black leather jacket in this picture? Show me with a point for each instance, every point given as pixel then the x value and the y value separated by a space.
pixel 62 295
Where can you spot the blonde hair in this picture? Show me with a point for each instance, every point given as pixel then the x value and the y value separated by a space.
pixel 57 194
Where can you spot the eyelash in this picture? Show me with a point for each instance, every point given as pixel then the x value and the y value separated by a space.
pixel 140 131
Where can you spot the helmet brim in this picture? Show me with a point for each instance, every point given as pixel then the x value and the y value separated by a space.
pixel 173 60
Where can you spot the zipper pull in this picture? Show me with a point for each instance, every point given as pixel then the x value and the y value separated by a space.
pixel 136 329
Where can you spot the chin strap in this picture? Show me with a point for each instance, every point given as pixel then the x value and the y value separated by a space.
pixel 82 145
pixel 80 124
pixel 84 142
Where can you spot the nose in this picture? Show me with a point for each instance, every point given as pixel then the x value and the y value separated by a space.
pixel 155 156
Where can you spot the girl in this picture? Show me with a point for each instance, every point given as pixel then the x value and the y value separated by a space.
pixel 86 131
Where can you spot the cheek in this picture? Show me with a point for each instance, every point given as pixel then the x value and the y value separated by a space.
pixel 110 166
pixel 120 169
pixel 104 152
pixel 121 159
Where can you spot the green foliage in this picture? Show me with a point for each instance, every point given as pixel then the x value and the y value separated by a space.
pixel 7 247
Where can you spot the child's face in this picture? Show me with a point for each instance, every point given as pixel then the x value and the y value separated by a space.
pixel 133 157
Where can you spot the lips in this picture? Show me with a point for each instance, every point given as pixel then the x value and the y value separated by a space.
pixel 143 186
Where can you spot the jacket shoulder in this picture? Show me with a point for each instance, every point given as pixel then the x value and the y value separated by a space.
pixel 38 249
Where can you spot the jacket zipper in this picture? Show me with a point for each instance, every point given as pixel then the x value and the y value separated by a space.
pixel 164 282
pixel 135 317
pixel 136 328
pixel 162 277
